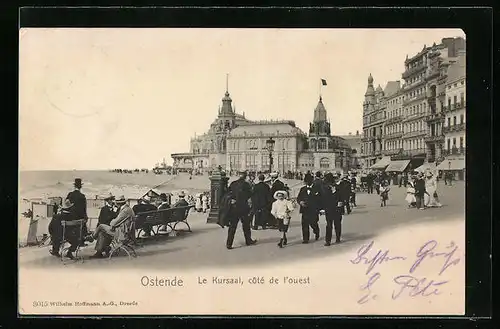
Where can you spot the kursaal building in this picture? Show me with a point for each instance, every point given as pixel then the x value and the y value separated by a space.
pixel 237 143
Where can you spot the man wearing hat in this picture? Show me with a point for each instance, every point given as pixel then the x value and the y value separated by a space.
pixel 182 201
pixel 261 202
pixel 107 213
pixel 72 234
pixel 241 203
pixel 142 206
pixel 116 228
pixel 333 213
pixel 309 199
pixel 78 199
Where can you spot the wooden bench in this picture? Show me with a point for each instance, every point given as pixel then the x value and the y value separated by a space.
pixel 156 219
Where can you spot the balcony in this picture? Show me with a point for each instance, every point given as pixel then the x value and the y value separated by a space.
pixel 408 86
pixel 415 99
pixel 434 139
pixel 454 151
pixel 415 133
pixel 414 116
pixel 394 119
pixel 432 75
pixel 413 70
pixel 454 128
pixel 394 135
pixel 390 152
pixel 437 116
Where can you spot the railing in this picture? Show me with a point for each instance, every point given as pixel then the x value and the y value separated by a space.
pixel 394 135
pixel 454 151
pixel 434 138
pixel 390 152
pixel 409 86
pixel 434 116
pixel 394 119
pixel 413 70
pixel 454 128
pixel 414 99
pixel 432 74
pixel 414 116
pixel 415 133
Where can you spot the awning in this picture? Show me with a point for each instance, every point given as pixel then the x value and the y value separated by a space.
pixel 452 164
pixel 426 166
pixel 398 165
pixel 382 163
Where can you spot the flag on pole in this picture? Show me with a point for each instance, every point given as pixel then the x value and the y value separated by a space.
pixel 323 82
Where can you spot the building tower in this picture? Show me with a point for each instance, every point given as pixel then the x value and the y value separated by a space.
pixel 319 129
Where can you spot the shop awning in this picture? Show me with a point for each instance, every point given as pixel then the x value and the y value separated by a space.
pixel 452 164
pixel 382 163
pixel 397 165
pixel 426 166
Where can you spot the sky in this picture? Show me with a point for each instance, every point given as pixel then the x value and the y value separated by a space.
pixel 127 98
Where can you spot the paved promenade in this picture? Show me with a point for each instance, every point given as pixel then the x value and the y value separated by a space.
pixel 205 246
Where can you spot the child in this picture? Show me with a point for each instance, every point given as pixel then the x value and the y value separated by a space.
pixel 384 193
pixel 281 209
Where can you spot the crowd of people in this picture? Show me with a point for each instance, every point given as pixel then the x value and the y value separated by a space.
pixel 268 205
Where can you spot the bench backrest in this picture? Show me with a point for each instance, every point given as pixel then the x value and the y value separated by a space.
pixel 161 216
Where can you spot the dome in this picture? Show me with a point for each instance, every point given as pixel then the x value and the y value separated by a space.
pixel 379 89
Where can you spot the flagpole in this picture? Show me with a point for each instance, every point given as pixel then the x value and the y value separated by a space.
pixel 320 86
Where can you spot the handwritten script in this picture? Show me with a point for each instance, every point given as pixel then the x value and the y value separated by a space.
pixel 407 284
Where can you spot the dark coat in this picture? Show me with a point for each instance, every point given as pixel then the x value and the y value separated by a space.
pixel 106 215
pixel 224 209
pixel 331 199
pixel 241 191
pixel 311 198
pixel 79 202
pixel 261 197
pixel 181 203
pixel 345 189
pixel 277 186
pixel 55 226
pixel 420 187
pixel 143 207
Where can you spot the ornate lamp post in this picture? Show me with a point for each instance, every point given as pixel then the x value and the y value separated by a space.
pixel 270 147
pixel 284 162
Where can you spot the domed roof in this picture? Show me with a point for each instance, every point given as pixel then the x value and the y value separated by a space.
pixel 379 89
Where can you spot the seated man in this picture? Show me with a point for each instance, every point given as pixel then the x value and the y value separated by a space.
pixel 72 233
pixel 142 207
pixel 182 201
pixel 107 213
pixel 116 228
pixel 162 203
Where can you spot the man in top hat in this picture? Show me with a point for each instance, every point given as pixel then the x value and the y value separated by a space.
pixel 261 202
pixel 107 213
pixel 241 193
pixel 309 199
pixel 118 227
pixel 72 234
pixel 78 199
pixel 333 213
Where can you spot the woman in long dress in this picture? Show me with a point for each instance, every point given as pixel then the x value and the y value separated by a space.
pixel 410 195
pixel 204 202
pixel 431 197
pixel 198 204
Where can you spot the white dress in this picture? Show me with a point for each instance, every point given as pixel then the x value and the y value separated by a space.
pixel 204 202
pixel 198 203
pixel 410 194
pixel 431 188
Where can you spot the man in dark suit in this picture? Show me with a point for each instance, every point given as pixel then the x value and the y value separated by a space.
pixel 345 194
pixel 241 194
pixel 333 211
pixel 261 202
pixel 79 201
pixel 143 206
pixel 72 234
pixel 182 201
pixel 309 199
pixel 107 213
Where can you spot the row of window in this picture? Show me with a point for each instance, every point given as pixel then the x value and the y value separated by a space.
pixel 246 144
pixel 462 100
pixel 456 84
pixel 415 79
pixel 397 100
pixel 462 120
pixel 393 145
pixel 453 142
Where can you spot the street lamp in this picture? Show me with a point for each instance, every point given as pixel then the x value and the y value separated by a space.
pixel 270 147
pixel 284 162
